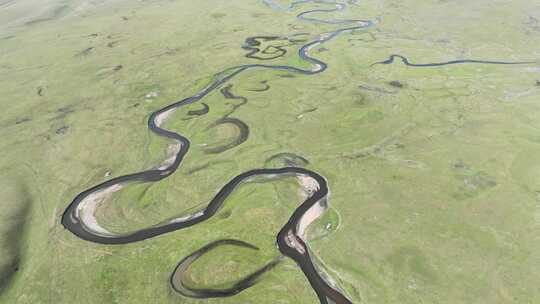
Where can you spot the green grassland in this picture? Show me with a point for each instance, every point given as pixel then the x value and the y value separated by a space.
pixel 434 172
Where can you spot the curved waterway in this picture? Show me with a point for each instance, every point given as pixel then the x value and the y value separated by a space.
pixel 406 61
pixel 178 276
pixel 79 217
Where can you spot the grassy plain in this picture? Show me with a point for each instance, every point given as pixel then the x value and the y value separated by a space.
pixel 434 172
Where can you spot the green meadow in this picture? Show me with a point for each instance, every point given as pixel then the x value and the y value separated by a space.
pixel 434 172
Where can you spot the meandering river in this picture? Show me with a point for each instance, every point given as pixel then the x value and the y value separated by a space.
pixel 79 217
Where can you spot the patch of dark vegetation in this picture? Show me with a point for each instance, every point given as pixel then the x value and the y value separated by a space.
pixel 63 112
pixel 360 99
pixel 459 165
pixel 5 3
pixel 108 71
pixel 474 181
pixel 225 214
pixel 136 104
pixel 296 26
pixel 396 84
pixel 94 35
pixel 307 111
pixel 375 89
pixel 480 180
pixel 322 49
pixel 142 194
pixel 538 83
pixel 66 109
pixel 58 12
pixel 40 91
pixel 12 238
pixel 125 18
pixel 265 88
pixel 243 134
pixel 198 168
pixel 410 259
pixel 218 15
pixel 62 130
pixel 366 37
pixel 86 51
pixel 7 37
pixel 294 38
pixel 113 43
pixel 205 166
pixel 286 76
pixel 286 159
pixel 532 24
pixel 22 120
pixel 167 52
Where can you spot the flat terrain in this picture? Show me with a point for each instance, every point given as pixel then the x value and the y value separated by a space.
pixel 434 171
